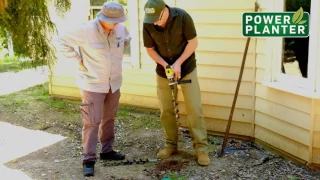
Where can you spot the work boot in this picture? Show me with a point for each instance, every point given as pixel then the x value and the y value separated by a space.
pixel 203 159
pixel 88 168
pixel 112 155
pixel 165 153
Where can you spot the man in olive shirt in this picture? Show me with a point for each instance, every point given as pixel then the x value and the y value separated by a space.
pixel 170 39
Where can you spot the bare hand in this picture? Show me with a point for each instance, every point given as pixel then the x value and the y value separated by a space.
pixel 127 42
pixel 82 67
pixel 177 71
pixel 164 65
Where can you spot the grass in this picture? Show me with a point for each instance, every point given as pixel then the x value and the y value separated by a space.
pixel 14 64
pixel 34 108
pixel 41 93
pixel 38 104
pixel 146 122
pixel 294 178
pixel 139 117
pixel 173 176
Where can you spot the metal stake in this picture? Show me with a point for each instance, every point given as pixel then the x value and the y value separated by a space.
pixel 237 91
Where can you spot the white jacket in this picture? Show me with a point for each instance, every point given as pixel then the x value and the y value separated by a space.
pixel 101 53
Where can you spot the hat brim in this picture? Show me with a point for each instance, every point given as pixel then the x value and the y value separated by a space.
pixel 150 19
pixel 102 17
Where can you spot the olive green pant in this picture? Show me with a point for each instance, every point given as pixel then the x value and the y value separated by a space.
pixel 192 100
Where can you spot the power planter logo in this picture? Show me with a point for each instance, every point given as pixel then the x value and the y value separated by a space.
pixel 275 24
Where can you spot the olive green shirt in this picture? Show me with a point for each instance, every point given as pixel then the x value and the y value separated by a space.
pixel 170 42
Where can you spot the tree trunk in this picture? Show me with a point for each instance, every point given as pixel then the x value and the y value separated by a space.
pixel 10 45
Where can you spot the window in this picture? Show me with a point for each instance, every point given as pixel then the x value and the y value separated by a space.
pixel 131 53
pixel 295 52
pixel 291 62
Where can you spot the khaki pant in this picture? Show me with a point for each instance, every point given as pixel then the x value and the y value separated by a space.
pixel 197 124
pixel 98 113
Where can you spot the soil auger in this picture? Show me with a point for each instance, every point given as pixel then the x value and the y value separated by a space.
pixel 130 162
pixel 172 82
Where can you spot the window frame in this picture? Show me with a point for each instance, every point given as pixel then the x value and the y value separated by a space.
pixel 274 78
pixel 132 61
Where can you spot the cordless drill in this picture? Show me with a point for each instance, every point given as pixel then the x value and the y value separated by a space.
pixel 170 77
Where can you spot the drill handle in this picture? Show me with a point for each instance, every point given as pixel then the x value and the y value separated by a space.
pixel 184 81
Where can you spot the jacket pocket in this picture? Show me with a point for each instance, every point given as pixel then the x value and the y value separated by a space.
pixel 120 47
pixel 87 111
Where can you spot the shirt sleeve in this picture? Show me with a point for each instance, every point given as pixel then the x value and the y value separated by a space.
pixel 68 41
pixel 189 29
pixel 147 39
pixel 127 36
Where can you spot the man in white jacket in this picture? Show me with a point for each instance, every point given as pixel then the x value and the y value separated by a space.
pixel 101 45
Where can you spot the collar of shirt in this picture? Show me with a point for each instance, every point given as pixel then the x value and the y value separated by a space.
pixel 100 28
pixel 172 14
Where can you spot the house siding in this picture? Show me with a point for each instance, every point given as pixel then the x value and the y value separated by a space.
pixel 219 57
pixel 282 120
pixel 288 122
pixel 316 134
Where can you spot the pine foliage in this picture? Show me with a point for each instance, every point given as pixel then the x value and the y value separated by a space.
pixel 28 22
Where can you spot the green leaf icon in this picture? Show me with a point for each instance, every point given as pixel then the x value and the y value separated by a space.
pixel 297 16
pixel 302 22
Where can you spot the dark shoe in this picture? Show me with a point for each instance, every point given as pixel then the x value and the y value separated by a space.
pixel 88 168
pixel 112 155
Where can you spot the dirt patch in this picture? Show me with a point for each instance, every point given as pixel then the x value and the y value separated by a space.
pixel 138 136
pixel 171 165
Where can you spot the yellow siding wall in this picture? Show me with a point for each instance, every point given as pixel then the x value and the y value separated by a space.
pixel 139 85
pixel 282 119
pixel 278 118
pixel 316 134
pixel 219 56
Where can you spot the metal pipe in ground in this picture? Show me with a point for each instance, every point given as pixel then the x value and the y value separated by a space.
pixel 225 139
